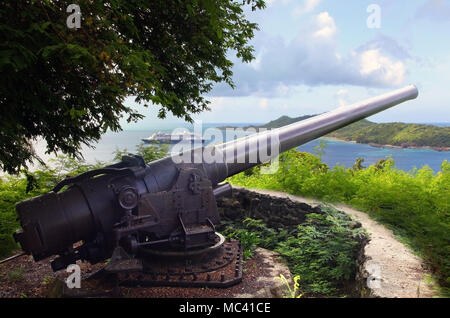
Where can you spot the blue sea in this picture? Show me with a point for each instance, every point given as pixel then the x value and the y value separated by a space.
pixel 336 152
pixel 345 153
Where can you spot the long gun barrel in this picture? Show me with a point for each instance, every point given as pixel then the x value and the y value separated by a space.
pixel 135 206
pixel 299 133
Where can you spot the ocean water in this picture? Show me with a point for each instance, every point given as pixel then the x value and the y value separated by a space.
pixel 127 139
pixel 335 152
pixel 345 153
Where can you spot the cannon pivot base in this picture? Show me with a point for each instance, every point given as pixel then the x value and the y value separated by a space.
pixel 218 266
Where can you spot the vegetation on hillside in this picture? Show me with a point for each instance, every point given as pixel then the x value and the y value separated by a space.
pixel 282 121
pixel 396 134
pixel 366 132
pixel 414 204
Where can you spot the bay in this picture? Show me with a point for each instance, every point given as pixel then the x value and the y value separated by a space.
pixel 345 153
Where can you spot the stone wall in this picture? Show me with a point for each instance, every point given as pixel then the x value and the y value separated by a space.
pixel 282 212
pixel 274 211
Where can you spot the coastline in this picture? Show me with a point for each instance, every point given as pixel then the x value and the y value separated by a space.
pixel 439 149
pixel 376 145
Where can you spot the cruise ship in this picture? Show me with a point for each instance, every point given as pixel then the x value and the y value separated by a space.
pixel 165 138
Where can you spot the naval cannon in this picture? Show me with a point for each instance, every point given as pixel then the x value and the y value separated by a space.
pixel 134 211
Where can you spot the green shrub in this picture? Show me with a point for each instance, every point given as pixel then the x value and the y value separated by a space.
pixel 322 251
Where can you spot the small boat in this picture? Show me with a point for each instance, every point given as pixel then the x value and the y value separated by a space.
pixel 165 138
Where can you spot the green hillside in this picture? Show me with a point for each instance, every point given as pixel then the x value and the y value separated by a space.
pixel 283 121
pixel 396 134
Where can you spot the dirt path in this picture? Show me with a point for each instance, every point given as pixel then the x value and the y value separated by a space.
pixel 394 270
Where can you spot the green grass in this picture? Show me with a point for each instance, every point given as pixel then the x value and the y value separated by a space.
pixel 415 204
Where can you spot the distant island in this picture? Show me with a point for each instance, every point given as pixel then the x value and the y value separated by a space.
pixel 282 121
pixel 400 135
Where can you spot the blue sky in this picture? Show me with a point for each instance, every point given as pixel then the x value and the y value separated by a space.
pixel 315 55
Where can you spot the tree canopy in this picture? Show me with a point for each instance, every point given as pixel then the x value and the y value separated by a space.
pixel 68 85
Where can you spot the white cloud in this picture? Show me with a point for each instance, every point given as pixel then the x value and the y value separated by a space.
pixel 217 103
pixel 312 59
pixel 342 95
pixel 308 6
pixel 263 103
pixel 326 26
pixel 282 89
pixel 372 62
pixel 256 63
